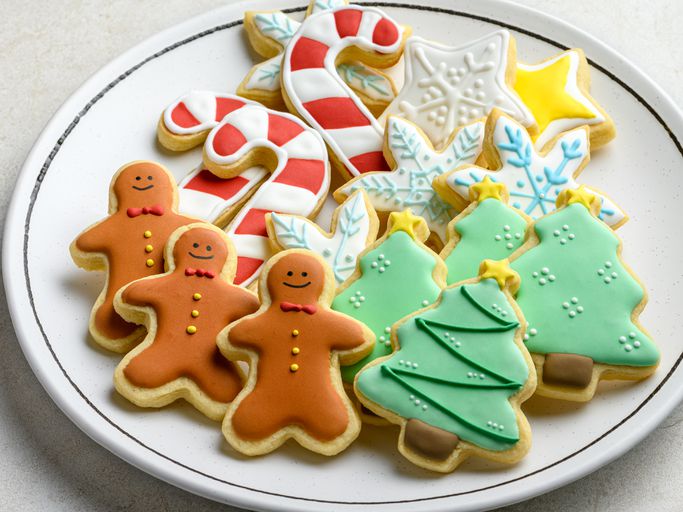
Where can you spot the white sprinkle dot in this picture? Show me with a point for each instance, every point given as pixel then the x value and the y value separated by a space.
pixel 565 305
pixel 636 344
pixel 575 300
pixel 628 347
pixel 533 332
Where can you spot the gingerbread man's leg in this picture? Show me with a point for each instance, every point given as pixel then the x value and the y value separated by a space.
pixel 107 320
pixel 254 420
pixel 217 377
pixel 146 370
pixel 327 422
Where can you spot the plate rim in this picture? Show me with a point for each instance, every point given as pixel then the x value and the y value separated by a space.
pixel 251 499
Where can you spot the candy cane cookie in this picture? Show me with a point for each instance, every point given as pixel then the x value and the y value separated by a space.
pixel 313 89
pixel 299 181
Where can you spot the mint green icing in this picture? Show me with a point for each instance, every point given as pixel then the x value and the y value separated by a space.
pixel 493 230
pixel 456 368
pixel 576 295
pixel 396 279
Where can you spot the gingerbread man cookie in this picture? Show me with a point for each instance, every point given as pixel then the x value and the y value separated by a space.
pixel 184 310
pixel 128 244
pixel 294 345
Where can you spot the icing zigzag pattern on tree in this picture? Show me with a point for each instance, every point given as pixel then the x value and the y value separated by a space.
pixel 534 180
pixel 415 165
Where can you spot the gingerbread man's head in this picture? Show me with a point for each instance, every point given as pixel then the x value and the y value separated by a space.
pixel 297 276
pixel 143 183
pixel 202 247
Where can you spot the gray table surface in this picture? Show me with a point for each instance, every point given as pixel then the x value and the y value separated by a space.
pixel 47 49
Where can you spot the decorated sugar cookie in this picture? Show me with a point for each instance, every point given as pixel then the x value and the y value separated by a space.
pixel 557 91
pixel 581 302
pixel 458 376
pixel 448 87
pixel 185 124
pixel 395 276
pixel 415 164
pixel 270 33
pixel 128 244
pixel 184 309
pixel 294 344
pixel 354 226
pixel 534 179
pixel 487 229
pixel 313 89
pixel 299 180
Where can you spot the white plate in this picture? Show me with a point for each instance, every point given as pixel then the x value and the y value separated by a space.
pixel 111 120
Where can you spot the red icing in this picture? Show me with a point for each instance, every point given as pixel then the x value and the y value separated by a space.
pixel 333 113
pixel 308 53
pixel 246 267
pixel 181 116
pixel 309 309
pixel 308 174
pixel 385 33
pixel 205 181
pixel 155 209
pixel 226 105
pixel 227 140
pixel 373 161
pixel 281 129
pixel 253 223
pixel 347 21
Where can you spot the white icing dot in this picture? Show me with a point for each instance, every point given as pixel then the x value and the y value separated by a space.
pixel 382 338
pixel 614 275
pixel 457 344
pixel 572 236
pixel 563 241
pixel 362 299
pixel 574 300
pixel 381 256
pixel 526 337
pixel 412 397
pixel 381 270
pixel 418 402
pixel 387 263
pixel 565 305
pixel 387 343
pixel 498 238
pixel 545 271
pixel 542 281
pixel 509 245
pixel 374 264
pixel 533 332
pixel 387 330
pixel 401 361
pixel 469 374
pixel 500 427
pixel 608 264
pixel 425 303
pixel 628 347
pixel 572 314
pixel 556 233
pixel 607 280
pixel 551 277
pixel 601 272
pixel 356 305
pixel 508 236
pixel 632 335
pixel 518 235
pixel 622 339
pixel 565 227
pixel 636 344
pixel 506 228
pixel 579 309
pixel 414 365
pixel 424 407
pixel 504 313
pixel 352 299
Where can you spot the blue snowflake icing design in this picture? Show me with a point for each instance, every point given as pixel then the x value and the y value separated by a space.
pixel 277 25
pixel 541 189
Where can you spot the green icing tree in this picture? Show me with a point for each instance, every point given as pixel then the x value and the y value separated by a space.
pixel 457 367
pixel 396 276
pixel 576 294
pixel 487 229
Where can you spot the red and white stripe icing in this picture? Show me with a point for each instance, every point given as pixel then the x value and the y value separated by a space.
pixel 297 185
pixel 202 194
pixel 321 97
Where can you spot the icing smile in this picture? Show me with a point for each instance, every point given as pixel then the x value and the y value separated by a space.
pixel 200 257
pixel 143 188
pixel 296 285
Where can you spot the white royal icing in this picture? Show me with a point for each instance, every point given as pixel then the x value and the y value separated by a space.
pixel 447 87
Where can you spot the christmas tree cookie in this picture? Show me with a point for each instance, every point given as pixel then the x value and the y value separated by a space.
pixel 415 164
pixel 395 276
pixel 534 179
pixel 581 302
pixel 458 376
pixel 487 229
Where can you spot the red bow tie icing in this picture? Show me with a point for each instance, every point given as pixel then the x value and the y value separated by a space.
pixel 156 209
pixel 290 306
pixel 199 272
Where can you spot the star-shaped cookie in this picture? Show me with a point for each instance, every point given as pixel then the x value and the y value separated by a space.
pixel 534 179
pixel 557 93
pixel 447 87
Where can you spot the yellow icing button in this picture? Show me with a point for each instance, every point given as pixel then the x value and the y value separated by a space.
pixel 295 350
pixel 191 329
pixel 149 262
pixel 293 367
pixel 194 313
pixel 295 332
pixel 147 234
pixel 197 296
pixel 149 248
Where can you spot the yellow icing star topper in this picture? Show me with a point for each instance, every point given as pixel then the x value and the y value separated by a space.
pixel 501 272
pixel 488 189
pixel 579 195
pixel 557 93
pixel 405 221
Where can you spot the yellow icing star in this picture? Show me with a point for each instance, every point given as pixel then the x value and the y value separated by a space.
pixel 405 221
pixel 501 272
pixel 578 195
pixel 552 91
pixel 488 189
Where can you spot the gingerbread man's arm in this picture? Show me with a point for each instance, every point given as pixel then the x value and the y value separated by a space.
pixel 95 238
pixel 247 333
pixel 351 338
pixel 239 302
pixel 144 292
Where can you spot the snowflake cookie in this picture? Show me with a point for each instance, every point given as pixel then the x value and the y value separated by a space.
pixel 448 87
pixel 354 226
pixel 270 33
pixel 534 179
pixel 557 93
pixel 415 164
